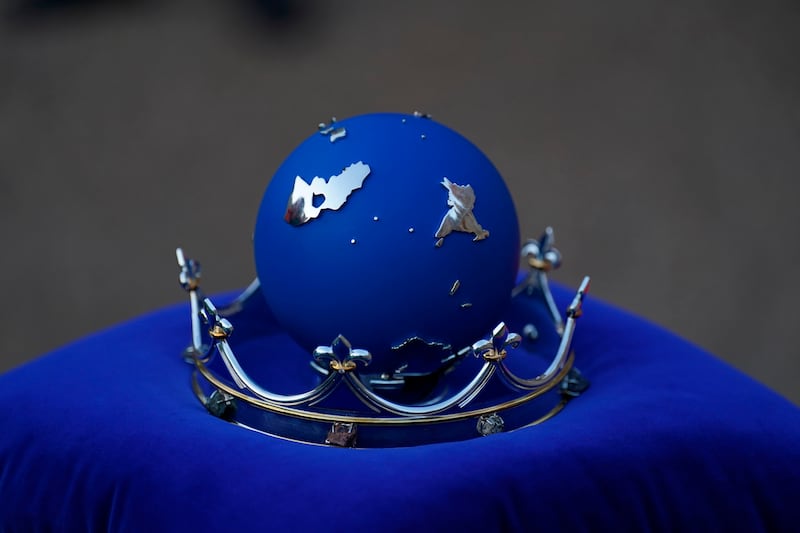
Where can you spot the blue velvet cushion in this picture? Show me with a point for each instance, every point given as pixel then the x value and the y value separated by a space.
pixel 105 434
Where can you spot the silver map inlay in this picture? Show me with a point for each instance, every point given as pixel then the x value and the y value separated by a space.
pixel 334 193
pixel 454 288
pixel 419 340
pixel 331 131
pixel 338 133
pixel 461 199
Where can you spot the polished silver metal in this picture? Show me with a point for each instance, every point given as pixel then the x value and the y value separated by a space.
pixel 189 278
pixel 495 347
pixel 416 340
pixel 455 287
pixel 331 131
pixel 220 329
pixel 335 191
pixel 574 311
pixel 338 133
pixel 230 393
pixel 341 356
pixel 420 114
pixel 461 199
pixel 325 128
pixel 541 257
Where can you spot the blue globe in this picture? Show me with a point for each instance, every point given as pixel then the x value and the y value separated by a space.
pixel 393 231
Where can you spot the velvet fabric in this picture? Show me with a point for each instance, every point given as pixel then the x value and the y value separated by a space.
pixel 105 434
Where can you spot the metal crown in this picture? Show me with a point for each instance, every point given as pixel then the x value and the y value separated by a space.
pixel 350 408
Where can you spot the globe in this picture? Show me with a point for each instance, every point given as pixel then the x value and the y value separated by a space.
pixel 393 231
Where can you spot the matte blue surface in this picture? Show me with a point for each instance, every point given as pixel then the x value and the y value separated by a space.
pixel 104 434
pixel 392 284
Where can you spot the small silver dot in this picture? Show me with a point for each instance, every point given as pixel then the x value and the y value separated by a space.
pixel 403 121
pixel 422 136
pixel 411 230
pixel 352 241
pixel 375 219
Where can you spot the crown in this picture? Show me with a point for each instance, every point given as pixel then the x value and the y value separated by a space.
pixel 498 383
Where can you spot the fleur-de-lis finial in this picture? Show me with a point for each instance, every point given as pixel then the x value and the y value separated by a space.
pixel 541 257
pixel 189 276
pixel 218 326
pixel 540 254
pixel 341 356
pixel 495 348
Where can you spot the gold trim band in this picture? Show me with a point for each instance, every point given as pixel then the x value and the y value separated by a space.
pixel 383 421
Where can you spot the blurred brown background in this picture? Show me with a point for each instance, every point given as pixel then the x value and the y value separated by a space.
pixel 660 139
